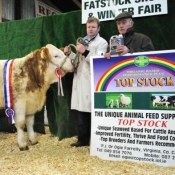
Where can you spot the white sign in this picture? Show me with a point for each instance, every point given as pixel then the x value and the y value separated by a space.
pixel 141 136
pixel 42 9
pixel 106 10
pixel 133 107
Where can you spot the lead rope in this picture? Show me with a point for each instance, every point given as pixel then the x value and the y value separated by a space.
pixel 75 62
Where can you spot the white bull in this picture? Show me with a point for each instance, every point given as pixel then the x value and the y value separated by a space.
pixel 32 75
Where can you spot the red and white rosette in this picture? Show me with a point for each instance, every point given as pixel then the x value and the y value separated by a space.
pixel 60 87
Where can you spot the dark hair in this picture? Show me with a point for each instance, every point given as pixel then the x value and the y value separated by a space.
pixel 93 19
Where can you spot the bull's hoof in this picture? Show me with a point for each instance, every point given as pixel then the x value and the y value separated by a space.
pixel 34 143
pixel 24 149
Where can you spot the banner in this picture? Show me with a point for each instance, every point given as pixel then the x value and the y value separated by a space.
pixel 42 9
pixel 133 107
pixel 106 10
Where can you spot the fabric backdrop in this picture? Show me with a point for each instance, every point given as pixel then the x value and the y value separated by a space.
pixel 20 37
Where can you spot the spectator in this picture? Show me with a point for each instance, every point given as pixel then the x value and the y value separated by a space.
pixel 133 42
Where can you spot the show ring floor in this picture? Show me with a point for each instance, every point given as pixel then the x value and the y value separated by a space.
pixel 53 157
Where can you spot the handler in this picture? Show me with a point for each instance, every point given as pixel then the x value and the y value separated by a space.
pixel 133 42
pixel 81 90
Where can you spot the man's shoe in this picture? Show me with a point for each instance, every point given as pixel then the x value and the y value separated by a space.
pixel 78 144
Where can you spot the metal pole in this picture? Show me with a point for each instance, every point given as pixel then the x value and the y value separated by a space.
pixel 17 9
pixel 77 3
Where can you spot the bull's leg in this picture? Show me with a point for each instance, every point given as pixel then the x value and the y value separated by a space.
pixel 20 124
pixel 30 131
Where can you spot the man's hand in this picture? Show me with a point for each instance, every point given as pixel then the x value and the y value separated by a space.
pixel 122 50
pixel 80 48
pixel 107 55
pixel 67 50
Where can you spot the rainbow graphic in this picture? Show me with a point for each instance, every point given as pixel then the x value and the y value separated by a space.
pixel 113 71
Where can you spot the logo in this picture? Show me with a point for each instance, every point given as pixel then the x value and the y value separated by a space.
pixel 141 61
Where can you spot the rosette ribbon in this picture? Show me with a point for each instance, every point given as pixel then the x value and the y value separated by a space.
pixel 8 94
pixel 60 87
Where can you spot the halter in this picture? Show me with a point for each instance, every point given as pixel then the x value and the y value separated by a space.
pixel 61 64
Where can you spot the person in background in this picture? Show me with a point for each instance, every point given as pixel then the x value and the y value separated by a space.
pixel 133 42
pixel 81 89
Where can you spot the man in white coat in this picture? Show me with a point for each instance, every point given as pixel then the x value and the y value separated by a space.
pixel 81 90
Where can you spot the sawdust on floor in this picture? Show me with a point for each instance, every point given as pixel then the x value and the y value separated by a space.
pixel 53 157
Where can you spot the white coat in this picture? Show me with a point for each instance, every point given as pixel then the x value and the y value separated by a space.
pixel 81 89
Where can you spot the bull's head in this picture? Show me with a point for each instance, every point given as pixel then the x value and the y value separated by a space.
pixel 58 58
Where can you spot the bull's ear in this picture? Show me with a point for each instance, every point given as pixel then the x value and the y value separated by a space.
pixel 45 53
pixel 62 49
